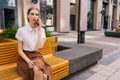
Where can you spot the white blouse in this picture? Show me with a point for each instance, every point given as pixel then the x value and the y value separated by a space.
pixel 29 37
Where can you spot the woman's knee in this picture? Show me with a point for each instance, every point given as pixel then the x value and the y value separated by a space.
pixel 36 70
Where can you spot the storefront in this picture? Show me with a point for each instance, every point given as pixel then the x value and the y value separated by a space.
pixel 48 13
pixel 8 13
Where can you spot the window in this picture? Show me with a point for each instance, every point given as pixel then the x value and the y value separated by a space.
pixel 48 13
pixel 9 3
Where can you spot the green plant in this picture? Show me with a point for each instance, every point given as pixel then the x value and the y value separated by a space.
pixel 48 33
pixel 9 33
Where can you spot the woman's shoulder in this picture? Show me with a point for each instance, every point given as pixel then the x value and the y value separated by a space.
pixel 43 29
pixel 21 28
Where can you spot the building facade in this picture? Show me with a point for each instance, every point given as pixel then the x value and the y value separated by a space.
pixel 61 15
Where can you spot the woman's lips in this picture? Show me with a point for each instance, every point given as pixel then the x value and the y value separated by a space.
pixel 34 20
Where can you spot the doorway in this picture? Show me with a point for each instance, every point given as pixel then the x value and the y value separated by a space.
pixel 90 15
pixel 72 22
pixel 8 17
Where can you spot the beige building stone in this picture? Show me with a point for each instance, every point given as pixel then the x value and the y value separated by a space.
pixel 97 14
pixel 64 10
pixel 83 15
pixel 63 15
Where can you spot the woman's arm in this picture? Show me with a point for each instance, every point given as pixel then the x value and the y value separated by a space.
pixel 22 54
pixel 40 40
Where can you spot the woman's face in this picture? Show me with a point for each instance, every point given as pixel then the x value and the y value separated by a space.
pixel 33 16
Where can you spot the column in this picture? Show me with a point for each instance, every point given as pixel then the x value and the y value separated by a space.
pixel 109 12
pixel 19 11
pixel 117 11
pixel 83 15
pixel 63 15
pixel 97 14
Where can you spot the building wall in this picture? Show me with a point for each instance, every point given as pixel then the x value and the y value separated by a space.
pixel 118 10
pixel 63 15
pixel 83 15
pixel 110 11
pixel 97 15
pixel 64 10
pixel 73 1
pixel 19 8
pixel 72 10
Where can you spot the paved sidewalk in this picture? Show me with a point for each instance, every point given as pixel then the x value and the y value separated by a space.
pixel 108 68
pixel 110 72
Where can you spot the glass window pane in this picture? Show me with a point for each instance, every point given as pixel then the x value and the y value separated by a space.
pixel 47 13
pixel 9 3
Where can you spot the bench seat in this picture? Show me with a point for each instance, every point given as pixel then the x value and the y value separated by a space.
pixel 59 66
pixel 8 72
pixel 9 55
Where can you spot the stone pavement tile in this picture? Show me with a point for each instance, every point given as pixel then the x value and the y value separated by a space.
pixel 106 47
pixel 110 58
pixel 115 76
pixel 115 65
pixel 82 76
pixel 97 77
pixel 97 67
pixel 107 72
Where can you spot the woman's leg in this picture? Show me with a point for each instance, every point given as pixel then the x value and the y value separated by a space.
pixel 38 74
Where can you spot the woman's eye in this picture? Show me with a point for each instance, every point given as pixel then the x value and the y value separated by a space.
pixel 32 13
pixel 36 14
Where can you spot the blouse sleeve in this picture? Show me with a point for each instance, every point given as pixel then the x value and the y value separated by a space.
pixel 43 34
pixel 18 35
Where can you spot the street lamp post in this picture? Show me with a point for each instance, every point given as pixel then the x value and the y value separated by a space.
pixel 78 39
pixel 81 34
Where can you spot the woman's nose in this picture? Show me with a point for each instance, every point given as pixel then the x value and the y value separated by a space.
pixel 34 16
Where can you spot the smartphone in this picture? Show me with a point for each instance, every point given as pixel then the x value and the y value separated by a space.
pixel 37 22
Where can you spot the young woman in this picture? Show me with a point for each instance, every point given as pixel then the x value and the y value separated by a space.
pixel 30 64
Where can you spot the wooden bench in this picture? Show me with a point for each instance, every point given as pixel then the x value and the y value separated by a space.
pixel 9 54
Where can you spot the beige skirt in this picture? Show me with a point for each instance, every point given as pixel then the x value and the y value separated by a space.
pixel 26 72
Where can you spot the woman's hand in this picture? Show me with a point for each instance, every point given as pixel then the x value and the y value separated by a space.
pixel 31 64
pixel 39 24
